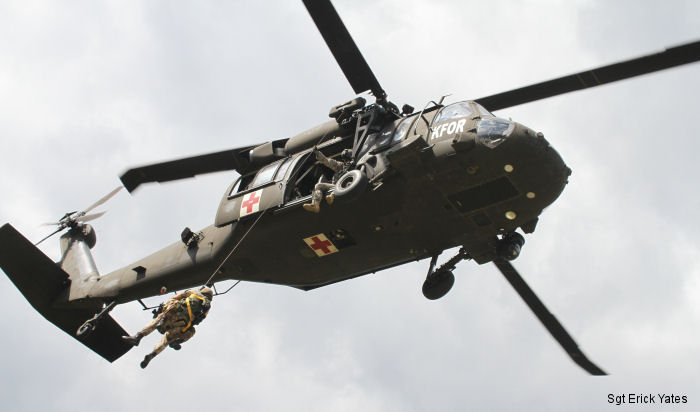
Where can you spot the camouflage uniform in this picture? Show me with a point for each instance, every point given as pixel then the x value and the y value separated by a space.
pixel 176 321
pixel 322 188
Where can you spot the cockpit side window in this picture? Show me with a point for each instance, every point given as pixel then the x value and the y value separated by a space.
pixel 459 109
pixel 385 136
pixel 370 142
pixel 401 131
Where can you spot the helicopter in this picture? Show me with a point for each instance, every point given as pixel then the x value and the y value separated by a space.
pixel 477 176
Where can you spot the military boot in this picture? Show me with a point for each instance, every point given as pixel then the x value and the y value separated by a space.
pixel 176 344
pixel 312 207
pixel 147 359
pixel 330 198
pixel 315 205
pixel 133 340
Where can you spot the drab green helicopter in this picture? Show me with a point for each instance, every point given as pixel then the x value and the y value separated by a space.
pixel 419 182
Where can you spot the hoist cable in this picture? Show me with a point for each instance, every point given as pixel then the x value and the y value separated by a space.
pixel 208 282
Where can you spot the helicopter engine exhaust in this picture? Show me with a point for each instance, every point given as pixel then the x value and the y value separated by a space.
pixel 271 151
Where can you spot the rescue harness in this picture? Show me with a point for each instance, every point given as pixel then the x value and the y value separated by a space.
pixel 201 310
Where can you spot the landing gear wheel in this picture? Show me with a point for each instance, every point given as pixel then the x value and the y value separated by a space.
pixel 437 284
pixel 86 329
pixel 350 185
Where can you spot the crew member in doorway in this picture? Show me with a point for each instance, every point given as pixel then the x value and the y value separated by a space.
pixel 176 321
pixel 323 188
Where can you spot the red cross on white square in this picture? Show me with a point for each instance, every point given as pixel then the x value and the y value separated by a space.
pixel 321 245
pixel 250 203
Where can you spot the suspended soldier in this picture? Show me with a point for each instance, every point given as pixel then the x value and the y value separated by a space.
pixel 176 321
pixel 323 188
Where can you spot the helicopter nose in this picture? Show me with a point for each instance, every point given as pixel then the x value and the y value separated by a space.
pixel 509 139
pixel 531 164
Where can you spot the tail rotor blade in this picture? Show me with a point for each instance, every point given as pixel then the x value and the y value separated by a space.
pixel 555 328
pixel 52 233
pixel 71 218
pixel 87 218
pixel 101 201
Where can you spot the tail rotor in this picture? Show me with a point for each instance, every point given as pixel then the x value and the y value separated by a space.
pixel 71 219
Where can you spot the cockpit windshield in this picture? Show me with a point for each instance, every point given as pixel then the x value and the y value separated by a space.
pixel 482 111
pixel 459 109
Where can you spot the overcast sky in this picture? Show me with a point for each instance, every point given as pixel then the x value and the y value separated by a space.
pixel 90 88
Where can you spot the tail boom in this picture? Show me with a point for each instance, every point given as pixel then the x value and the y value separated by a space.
pixel 46 286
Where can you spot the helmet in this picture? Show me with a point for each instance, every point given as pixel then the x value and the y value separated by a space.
pixel 207 292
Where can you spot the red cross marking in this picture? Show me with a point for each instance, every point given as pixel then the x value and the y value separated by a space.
pixel 250 202
pixel 324 245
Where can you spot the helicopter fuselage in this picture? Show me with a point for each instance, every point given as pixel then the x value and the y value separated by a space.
pixel 449 176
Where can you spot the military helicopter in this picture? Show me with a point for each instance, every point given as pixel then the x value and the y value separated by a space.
pixel 420 183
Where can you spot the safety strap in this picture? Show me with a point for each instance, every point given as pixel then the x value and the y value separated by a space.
pixel 189 310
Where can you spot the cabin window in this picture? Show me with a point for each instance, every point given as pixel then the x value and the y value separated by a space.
pixel 235 187
pixel 283 169
pixel 265 174
pixel 240 185
pixel 459 109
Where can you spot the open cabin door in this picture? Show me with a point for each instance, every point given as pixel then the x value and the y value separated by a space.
pixel 286 182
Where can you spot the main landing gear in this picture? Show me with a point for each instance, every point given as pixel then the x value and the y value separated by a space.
pixel 439 281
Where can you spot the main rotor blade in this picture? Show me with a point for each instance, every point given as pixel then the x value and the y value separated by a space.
pixel 101 201
pixel 232 159
pixel 343 47
pixel 671 57
pixel 548 320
